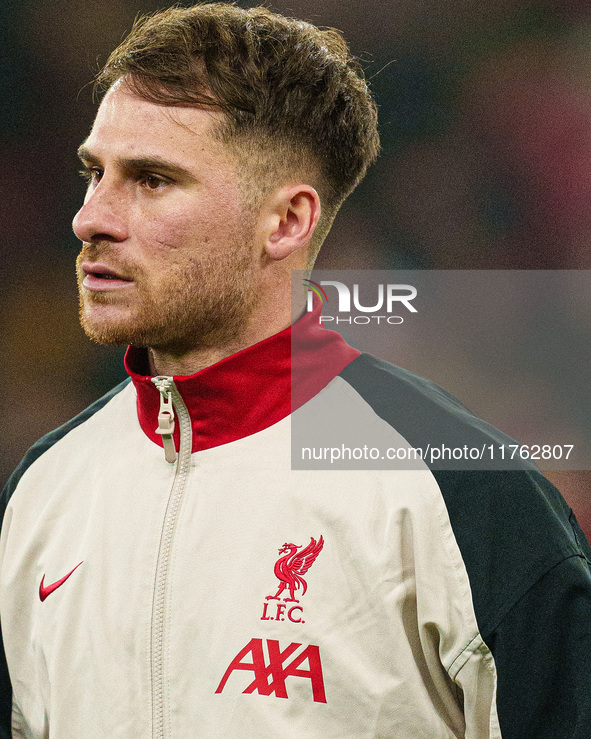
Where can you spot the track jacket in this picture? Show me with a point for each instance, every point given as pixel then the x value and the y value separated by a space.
pixel 165 573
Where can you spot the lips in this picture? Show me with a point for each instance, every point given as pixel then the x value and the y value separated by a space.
pixel 100 277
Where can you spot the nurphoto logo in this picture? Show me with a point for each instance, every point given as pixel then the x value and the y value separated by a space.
pixel 385 298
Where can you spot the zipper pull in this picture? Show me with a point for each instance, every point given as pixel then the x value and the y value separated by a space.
pixel 166 417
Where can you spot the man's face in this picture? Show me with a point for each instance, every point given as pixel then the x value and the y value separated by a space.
pixel 169 256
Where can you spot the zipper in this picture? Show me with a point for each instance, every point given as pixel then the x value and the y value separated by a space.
pixel 166 416
pixel 170 402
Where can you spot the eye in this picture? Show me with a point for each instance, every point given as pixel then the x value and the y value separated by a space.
pixel 92 175
pixel 152 181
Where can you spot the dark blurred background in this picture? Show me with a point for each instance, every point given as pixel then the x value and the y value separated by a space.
pixel 485 113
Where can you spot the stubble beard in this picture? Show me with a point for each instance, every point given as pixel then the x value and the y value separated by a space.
pixel 202 304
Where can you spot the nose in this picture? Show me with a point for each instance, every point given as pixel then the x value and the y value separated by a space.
pixel 103 216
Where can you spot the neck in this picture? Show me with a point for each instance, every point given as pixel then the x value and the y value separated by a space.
pixel 263 323
pixel 168 363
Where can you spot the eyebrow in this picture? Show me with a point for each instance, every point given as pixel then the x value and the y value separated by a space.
pixel 140 164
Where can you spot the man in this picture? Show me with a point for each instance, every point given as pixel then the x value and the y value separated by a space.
pixel 164 572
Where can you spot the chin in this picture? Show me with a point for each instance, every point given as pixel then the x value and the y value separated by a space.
pixel 109 332
pixel 106 335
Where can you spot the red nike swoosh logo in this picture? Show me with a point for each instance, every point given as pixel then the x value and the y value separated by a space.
pixel 45 591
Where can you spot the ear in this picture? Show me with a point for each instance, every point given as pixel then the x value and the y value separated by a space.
pixel 291 217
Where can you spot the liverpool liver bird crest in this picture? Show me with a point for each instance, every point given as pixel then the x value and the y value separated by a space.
pixel 290 568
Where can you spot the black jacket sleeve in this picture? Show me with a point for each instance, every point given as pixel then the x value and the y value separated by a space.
pixel 542 651
pixel 529 568
pixel 5 696
pixel 5 685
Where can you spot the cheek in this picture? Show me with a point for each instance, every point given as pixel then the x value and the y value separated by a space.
pixel 161 236
pixel 189 227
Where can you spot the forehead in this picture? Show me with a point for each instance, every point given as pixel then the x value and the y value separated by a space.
pixel 126 125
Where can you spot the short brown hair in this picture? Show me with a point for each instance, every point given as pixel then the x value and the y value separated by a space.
pixel 293 97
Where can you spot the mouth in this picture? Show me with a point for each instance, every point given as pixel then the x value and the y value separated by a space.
pixel 99 277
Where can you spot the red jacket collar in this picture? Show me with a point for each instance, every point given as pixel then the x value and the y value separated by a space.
pixel 250 390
